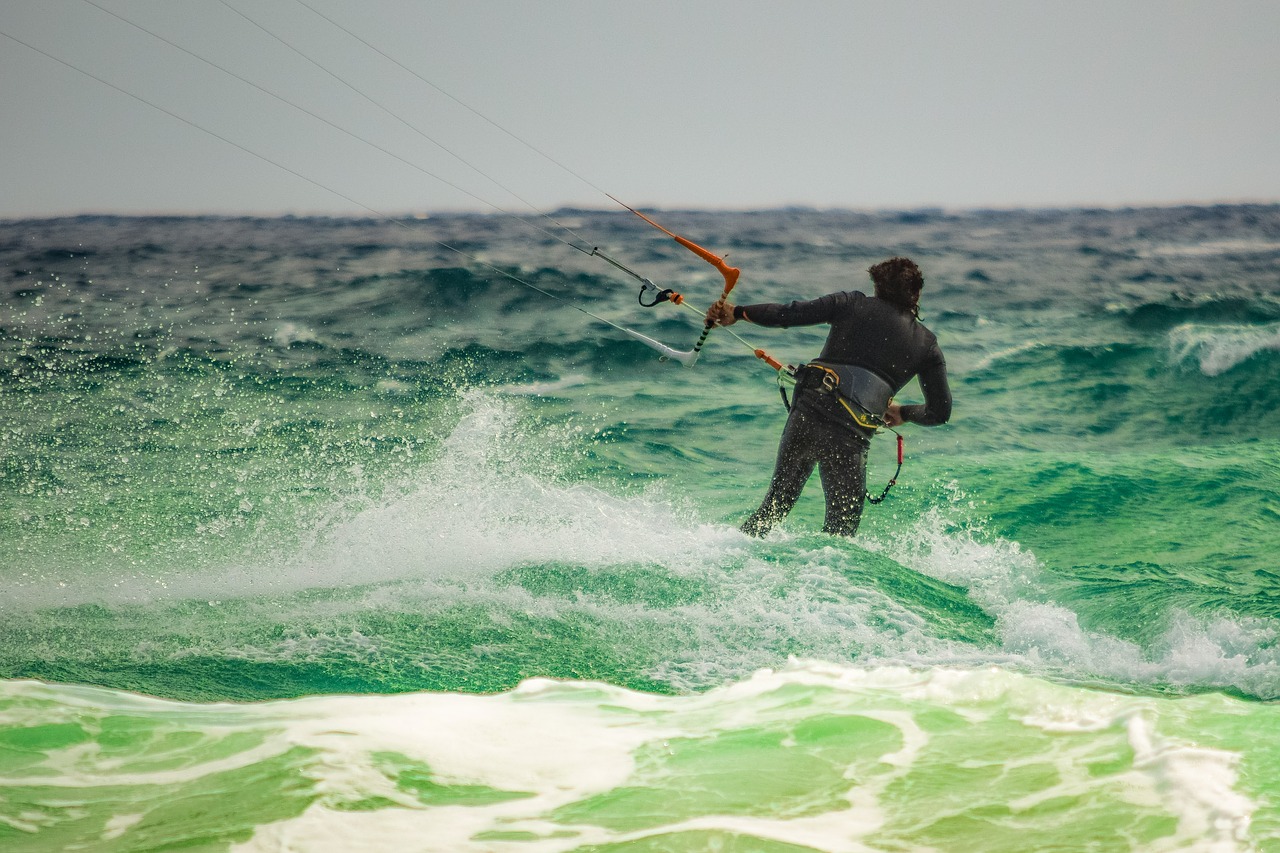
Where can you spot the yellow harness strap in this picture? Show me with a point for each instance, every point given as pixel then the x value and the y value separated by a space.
pixel 863 421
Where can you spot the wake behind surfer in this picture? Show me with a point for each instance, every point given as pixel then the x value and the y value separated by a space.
pixel 876 345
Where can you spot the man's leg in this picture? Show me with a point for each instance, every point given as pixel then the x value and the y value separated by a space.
pixel 842 465
pixel 797 454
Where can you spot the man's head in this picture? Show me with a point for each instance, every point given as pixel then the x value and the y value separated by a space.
pixel 898 280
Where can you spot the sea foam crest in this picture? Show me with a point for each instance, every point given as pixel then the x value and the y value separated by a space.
pixel 478 508
pixel 1217 349
pixel 288 334
pixel 840 757
pixel 1041 636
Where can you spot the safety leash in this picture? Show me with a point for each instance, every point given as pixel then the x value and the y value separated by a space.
pixel 894 479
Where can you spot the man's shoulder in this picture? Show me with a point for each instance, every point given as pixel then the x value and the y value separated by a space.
pixel 848 297
pixel 928 340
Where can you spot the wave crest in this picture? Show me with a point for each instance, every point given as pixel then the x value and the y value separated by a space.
pixel 1217 349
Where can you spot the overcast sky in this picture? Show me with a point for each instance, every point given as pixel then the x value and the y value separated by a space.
pixel 692 103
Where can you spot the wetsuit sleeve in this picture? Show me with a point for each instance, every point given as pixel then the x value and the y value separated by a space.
pixel 821 310
pixel 937 394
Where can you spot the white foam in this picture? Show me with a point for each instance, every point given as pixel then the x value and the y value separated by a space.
pixel 289 333
pixel 554 744
pixel 1210 248
pixel 994 571
pixel 478 509
pixel 567 742
pixel 1195 783
pixel 990 360
pixel 1218 348
pixel 1041 636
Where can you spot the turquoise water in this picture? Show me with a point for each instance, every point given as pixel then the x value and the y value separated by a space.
pixel 319 534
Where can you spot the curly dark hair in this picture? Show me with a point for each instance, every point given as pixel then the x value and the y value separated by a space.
pixel 899 280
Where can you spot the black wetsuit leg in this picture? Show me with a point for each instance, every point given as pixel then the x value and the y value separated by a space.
pixel 842 465
pixel 809 440
pixel 796 460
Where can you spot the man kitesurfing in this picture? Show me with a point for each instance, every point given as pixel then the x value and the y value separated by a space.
pixel 876 345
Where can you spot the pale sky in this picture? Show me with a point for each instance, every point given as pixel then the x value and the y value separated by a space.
pixel 692 103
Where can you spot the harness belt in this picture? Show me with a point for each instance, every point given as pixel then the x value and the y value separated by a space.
pixel 863 394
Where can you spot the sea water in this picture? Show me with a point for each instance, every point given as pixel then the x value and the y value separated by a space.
pixel 335 534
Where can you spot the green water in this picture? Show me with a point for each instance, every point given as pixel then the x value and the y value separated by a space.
pixel 280 463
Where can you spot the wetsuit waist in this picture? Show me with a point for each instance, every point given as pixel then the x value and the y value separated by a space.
pixel 867 390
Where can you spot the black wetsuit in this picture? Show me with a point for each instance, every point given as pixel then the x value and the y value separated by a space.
pixel 869 333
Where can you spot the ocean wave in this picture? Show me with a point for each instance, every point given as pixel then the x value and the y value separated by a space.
pixel 811 755
pixel 1044 637
pixel 288 335
pixel 1212 248
pixel 1217 349
pixel 1159 316
pixel 992 359
pixel 487 562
